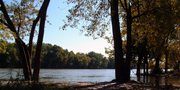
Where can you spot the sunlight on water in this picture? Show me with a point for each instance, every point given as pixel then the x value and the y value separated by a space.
pixel 77 75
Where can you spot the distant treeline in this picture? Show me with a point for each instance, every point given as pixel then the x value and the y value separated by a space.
pixel 54 56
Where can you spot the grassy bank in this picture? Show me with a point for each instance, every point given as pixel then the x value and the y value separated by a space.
pixel 24 85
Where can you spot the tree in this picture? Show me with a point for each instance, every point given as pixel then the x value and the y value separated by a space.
pixel 119 61
pixel 130 10
pixel 15 29
pixel 71 56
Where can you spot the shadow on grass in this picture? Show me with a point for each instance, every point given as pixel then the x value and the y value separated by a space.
pixel 101 86
pixel 125 86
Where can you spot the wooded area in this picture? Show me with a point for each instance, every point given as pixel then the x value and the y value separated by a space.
pixel 53 56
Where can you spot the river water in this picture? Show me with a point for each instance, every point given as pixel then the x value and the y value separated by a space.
pixel 81 75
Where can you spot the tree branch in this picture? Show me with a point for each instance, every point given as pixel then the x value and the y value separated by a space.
pixel 123 5
pixel 6 16
pixel 19 25
pixel 32 31
pixel 138 7
pixel 109 1
pixel 34 26
pixel 143 13
pixel 125 2
pixel 3 22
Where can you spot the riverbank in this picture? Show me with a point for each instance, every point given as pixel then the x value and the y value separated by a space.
pixel 131 85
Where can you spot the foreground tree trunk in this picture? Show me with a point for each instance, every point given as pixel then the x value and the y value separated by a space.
pixel 25 60
pixel 39 42
pixel 119 61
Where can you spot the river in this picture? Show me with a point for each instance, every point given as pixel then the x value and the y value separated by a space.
pixel 81 75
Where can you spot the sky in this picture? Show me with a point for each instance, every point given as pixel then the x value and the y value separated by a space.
pixel 71 39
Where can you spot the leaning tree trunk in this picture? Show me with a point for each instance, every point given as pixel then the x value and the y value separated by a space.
pixel 40 40
pixel 25 60
pixel 119 61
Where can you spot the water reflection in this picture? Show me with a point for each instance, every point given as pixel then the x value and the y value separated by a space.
pixel 165 80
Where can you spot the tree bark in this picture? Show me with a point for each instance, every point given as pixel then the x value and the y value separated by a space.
pixel 119 61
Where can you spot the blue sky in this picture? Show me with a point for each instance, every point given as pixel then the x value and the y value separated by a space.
pixel 70 39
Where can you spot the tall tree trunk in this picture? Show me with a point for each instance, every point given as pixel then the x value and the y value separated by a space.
pixel 166 64
pixel 138 67
pixel 40 40
pixel 157 69
pixel 146 62
pixel 128 56
pixel 119 61
pixel 147 66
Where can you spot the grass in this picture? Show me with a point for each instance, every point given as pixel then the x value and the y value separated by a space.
pixel 25 85
pixel 20 84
